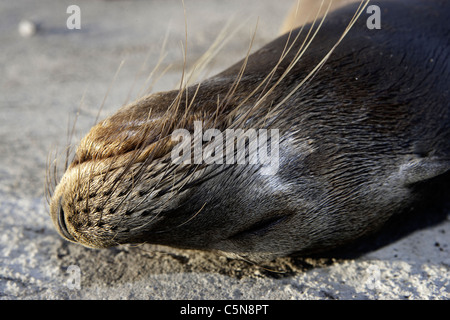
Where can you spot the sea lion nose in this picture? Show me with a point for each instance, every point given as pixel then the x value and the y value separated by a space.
pixel 62 224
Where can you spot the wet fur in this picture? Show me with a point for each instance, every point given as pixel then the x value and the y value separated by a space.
pixel 360 124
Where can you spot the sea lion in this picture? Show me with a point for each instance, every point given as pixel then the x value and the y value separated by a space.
pixel 361 120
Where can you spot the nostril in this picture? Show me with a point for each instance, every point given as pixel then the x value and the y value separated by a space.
pixel 62 225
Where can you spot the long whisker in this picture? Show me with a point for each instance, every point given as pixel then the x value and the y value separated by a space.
pixel 49 186
pixel 72 131
pixel 191 218
pixel 298 56
pixel 322 62
pixel 140 71
pixel 238 78
pixel 162 56
pixel 109 89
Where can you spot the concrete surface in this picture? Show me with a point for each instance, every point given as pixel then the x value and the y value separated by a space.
pixel 45 75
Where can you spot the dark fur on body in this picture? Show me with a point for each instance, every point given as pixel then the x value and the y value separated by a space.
pixel 354 140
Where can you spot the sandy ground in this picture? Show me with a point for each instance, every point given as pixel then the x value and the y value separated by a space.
pixel 43 80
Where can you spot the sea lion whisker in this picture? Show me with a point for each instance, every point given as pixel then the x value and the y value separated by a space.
pixel 269 76
pixel 161 58
pixel 286 50
pixel 191 218
pixel 303 48
pixel 122 202
pixel 49 185
pixel 183 179
pixel 118 179
pixel 158 63
pixel 189 107
pixel 220 41
pixel 268 269
pixel 52 179
pixel 109 89
pixel 234 85
pixel 153 218
pixel 141 169
pixel 134 155
pixel 144 198
pixel 182 84
pixel 149 89
pixel 324 59
pixel 72 131
pixel 55 169
pixel 138 176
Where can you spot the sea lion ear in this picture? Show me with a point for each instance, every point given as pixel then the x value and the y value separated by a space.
pixel 422 169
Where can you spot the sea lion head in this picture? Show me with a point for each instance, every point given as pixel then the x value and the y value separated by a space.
pixel 348 147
